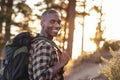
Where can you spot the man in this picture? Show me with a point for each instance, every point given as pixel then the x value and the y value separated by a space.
pixel 45 63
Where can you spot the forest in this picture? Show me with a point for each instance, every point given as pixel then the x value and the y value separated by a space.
pixel 18 16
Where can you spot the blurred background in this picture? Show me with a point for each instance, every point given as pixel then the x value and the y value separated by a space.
pixel 89 27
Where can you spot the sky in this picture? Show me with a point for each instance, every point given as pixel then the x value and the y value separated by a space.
pixel 112 19
pixel 112 23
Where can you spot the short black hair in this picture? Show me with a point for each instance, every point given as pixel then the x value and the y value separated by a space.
pixel 49 11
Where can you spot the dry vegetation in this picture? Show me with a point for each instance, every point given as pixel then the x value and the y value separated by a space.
pixel 112 67
pixel 95 57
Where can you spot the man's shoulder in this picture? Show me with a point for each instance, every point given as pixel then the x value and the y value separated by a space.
pixel 41 43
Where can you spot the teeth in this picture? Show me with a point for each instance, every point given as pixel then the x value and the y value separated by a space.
pixel 55 30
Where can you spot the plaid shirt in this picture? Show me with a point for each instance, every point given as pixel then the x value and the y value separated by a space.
pixel 42 57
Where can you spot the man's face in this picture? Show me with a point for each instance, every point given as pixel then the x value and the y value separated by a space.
pixel 51 24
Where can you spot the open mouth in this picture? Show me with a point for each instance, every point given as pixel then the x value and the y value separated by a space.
pixel 55 31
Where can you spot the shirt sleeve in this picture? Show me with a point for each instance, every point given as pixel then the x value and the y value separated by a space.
pixel 41 61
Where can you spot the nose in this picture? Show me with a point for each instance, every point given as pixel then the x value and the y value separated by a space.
pixel 57 25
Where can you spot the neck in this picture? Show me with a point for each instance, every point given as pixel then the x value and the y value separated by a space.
pixel 46 35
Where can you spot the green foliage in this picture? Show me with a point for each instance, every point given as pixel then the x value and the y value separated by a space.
pixel 112 67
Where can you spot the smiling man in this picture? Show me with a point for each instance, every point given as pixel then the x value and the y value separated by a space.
pixel 45 63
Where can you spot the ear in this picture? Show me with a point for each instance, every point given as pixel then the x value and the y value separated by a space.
pixel 42 23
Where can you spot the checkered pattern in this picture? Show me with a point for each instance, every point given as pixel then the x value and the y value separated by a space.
pixel 42 57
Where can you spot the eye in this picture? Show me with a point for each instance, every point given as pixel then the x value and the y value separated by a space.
pixel 52 21
pixel 59 22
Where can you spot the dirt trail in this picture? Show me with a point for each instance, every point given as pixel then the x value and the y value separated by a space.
pixel 85 71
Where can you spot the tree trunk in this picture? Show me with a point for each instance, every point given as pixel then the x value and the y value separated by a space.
pixel 71 17
pixel 8 19
pixel 2 17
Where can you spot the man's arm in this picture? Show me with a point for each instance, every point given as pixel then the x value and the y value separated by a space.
pixel 64 58
pixel 41 62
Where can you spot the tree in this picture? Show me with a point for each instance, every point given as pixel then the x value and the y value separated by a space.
pixel 2 17
pixel 83 14
pixel 99 32
pixel 98 36
pixel 9 11
pixel 8 20
pixel 71 16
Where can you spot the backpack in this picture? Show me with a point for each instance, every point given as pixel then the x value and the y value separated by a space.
pixel 17 54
